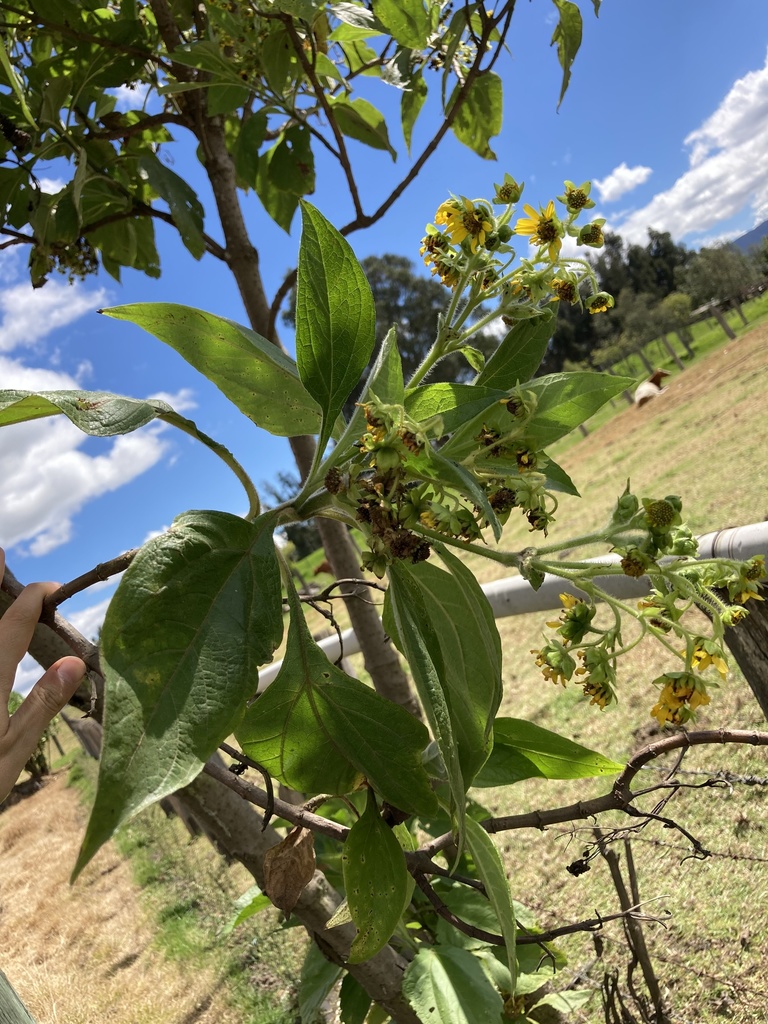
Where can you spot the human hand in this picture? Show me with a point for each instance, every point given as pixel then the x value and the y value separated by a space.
pixel 20 734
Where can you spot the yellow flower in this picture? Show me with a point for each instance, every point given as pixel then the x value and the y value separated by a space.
pixel 706 653
pixel 543 227
pixel 465 220
pixel 681 695
pixel 564 290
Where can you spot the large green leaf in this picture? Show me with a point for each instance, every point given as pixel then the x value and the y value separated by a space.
pixel 254 374
pixel 320 731
pixel 480 115
pixel 522 750
pixel 281 205
pixel 567 38
pixel 196 613
pixel 518 356
pixel 375 881
pixel 406 21
pixel 444 626
pixel 354 1001
pixel 335 317
pixel 447 985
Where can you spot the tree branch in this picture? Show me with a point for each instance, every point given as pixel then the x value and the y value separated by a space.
pixel 98 574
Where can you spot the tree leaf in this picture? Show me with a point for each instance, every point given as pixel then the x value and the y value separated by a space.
pixel 454 403
pixel 319 731
pixel 447 985
pixel 446 630
pixel 491 872
pixel 520 353
pixel 253 901
pixel 558 479
pixel 184 206
pixel 567 37
pixel 97 413
pixel 385 381
pixel 406 21
pixel 413 99
pixel 335 317
pixel 360 120
pixel 196 613
pixel 279 204
pixel 289 867
pixel 293 165
pixel 375 881
pixel 479 117
pixel 354 1001
pixel 566 1002
pixel 522 750
pixel 318 976
pixel 254 374
pixel 564 400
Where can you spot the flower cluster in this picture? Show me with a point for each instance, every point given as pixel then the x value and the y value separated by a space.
pixel 681 694
pixel 469 245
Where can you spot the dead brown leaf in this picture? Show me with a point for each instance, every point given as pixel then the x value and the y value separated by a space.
pixel 289 867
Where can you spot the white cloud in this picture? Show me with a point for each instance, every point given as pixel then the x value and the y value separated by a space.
pixel 29 314
pixel 130 97
pixel 621 180
pixel 726 173
pixel 51 185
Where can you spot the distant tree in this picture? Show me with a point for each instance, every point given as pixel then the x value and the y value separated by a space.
pixel 675 313
pixel 668 259
pixel 611 265
pixel 759 256
pixel 722 273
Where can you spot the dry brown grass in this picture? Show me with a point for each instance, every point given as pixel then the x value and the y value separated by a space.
pixel 84 954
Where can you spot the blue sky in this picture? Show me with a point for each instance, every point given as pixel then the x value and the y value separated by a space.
pixel 667 113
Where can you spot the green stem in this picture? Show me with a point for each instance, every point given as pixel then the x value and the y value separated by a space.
pixel 511 558
pixel 226 456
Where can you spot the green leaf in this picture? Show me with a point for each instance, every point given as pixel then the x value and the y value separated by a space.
pixel 454 403
pixel 335 317
pixel 319 731
pixel 375 881
pixel 354 1001
pixel 567 37
pixel 318 976
pixel 385 381
pixel 97 413
pixel 279 204
pixel 520 353
pixel 558 479
pixel 413 99
pixel 445 628
pixel 522 750
pixel 292 163
pixel 479 116
pixel 185 208
pixel 491 872
pixel 254 374
pixel 196 613
pixel 246 146
pixel 406 21
pixel 360 120
pixel 564 400
pixel 253 901
pixel 447 985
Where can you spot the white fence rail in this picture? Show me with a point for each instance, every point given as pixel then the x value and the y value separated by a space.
pixel 514 596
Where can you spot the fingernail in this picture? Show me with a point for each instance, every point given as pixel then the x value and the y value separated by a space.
pixel 69 673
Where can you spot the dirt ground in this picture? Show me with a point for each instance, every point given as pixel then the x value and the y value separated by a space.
pixel 84 954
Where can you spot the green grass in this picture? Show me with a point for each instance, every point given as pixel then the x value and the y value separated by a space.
pixel 189 891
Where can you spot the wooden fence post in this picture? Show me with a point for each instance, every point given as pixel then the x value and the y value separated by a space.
pixel 748 643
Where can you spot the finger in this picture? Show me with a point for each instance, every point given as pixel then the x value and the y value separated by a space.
pixel 46 698
pixel 16 629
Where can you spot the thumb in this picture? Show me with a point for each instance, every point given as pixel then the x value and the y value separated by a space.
pixel 46 698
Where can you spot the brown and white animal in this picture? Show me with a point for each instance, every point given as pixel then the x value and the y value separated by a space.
pixel 650 388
